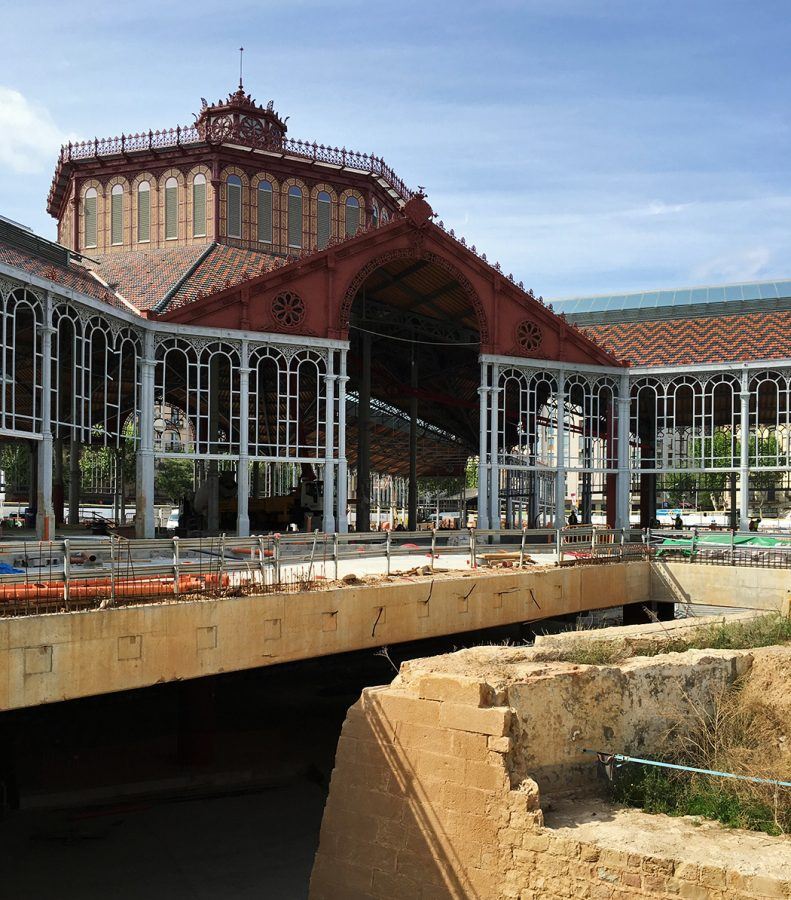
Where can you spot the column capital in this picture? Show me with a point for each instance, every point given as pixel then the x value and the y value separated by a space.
pixel 244 370
pixel 745 395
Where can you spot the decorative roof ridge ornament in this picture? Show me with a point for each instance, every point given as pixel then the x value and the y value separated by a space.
pixel 240 119
pixel 418 210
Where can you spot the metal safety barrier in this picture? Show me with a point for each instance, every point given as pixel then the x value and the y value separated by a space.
pixel 88 572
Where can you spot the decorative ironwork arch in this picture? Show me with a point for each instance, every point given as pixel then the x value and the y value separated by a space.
pixel 414 253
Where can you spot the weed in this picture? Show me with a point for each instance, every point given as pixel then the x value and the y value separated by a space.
pixel 687 794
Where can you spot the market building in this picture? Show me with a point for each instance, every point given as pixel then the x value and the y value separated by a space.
pixel 293 316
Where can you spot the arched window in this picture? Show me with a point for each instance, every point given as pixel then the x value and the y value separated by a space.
pixel 265 212
pixel 294 217
pixel 233 212
pixel 375 215
pixel 171 209
pixel 352 216
pixel 89 215
pixel 199 206
pixel 143 212
pixel 117 215
pixel 323 211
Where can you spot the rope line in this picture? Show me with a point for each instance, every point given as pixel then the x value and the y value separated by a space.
pixel 607 758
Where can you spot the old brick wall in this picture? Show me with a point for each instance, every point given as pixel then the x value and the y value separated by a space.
pixel 431 797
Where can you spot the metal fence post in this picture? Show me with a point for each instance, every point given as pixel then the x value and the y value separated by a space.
pixel 276 557
pixel 261 559
pixel 472 548
pixel 112 570
pixel 388 539
pixel 66 571
pixel 176 562
pixel 335 552
pixel 522 547
pixel 433 546
pixel 559 545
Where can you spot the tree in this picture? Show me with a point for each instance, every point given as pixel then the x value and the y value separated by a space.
pixel 174 479
pixel 765 451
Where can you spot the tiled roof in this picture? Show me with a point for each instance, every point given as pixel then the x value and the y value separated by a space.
pixel 221 268
pixel 146 278
pixel 706 339
pixel 143 277
pixel 72 276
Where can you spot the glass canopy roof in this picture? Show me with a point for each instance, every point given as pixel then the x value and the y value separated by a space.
pixel 757 290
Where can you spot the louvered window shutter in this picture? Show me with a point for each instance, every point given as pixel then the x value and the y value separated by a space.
pixel 143 215
pixel 352 219
pixel 117 218
pixel 295 219
pixel 90 221
pixel 234 215
pixel 171 212
pixel 265 213
pixel 323 209
pixel 199 209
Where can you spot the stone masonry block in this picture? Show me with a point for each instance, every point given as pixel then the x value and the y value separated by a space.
pixel 394 707
pixel 690 891
pixel 589 853
pixel 500 744
pixel 711 876
pixel 468 744
pixel 485 777
pixel 687 871
pixel 424 737
pixel 762 886
pixel 441 768
pixel 535 841
pixel 457 689
pixel 494 720
pixel 463 798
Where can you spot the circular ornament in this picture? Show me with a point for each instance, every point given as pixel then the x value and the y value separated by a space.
pixel 288 309
pixel 528 335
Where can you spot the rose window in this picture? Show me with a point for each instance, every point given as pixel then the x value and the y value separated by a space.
pixel 288 309
pixel 528 335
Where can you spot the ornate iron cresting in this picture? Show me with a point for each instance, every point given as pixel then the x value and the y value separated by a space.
pixel 256 131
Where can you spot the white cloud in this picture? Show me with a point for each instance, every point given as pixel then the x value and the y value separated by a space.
pixel 29 138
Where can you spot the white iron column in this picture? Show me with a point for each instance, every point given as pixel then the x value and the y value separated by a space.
pixel 483 471
pixel 623 484
pixel 343 477
pixel 560 473
pixel 744 470
pixel 329 445
pixel 45 512
pixel 243 466
pixel 494 471
pixel 144 489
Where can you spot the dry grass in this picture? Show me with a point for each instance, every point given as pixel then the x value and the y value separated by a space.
pixel 763 631
pixel 737 732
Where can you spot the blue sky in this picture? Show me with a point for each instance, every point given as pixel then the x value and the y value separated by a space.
pixel 589 146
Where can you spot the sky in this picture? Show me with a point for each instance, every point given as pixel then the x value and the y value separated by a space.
pixel 590 147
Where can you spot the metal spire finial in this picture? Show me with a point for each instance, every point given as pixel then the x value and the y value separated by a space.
pixel 241 57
